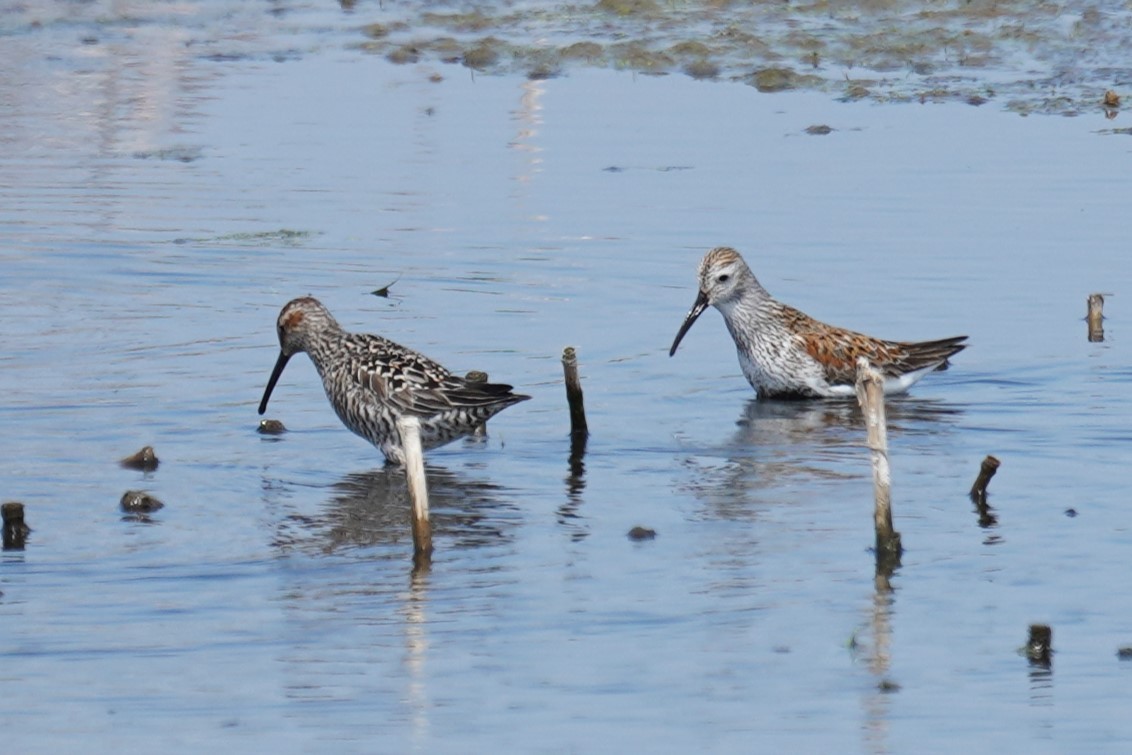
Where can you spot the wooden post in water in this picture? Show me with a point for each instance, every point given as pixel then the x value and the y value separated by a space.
pixel 1039 646
pixel 978 492
pixel 578 424
pixel 15 529
pixel 987 469
pixel 410 429
pixel 1095 317
pixel 870 394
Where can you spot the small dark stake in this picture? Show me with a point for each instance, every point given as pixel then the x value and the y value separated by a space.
pixel 1095 317
pixel 1039 648
pixel 989 466
pixel 574 398
pixel 579 431
pixel 978 494
pixel 870 394
pixel 410 429
pixel 15 530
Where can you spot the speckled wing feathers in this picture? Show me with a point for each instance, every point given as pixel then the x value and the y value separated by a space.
pixel 413 383
pixel 837 350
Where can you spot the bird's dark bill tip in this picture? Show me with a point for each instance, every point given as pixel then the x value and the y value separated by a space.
pixel 280 363
pixel 697 309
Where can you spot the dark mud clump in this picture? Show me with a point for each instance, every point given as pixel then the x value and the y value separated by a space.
pixel 270 427
pixel 642 533
pixel 144 460
pixel 139 502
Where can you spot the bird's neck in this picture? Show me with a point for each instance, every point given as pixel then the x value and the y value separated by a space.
pixel 323 348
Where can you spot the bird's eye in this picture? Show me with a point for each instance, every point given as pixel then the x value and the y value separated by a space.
pixel 723 278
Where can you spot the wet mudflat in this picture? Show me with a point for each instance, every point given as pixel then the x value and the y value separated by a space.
pixel 159 203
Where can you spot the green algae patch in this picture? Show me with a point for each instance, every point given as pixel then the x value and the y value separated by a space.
pixel 780 80
pixel 590 52
pixel 629 7
pixel 280 237
pixel 483 55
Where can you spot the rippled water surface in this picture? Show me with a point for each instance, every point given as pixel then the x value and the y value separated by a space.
pixel 165 187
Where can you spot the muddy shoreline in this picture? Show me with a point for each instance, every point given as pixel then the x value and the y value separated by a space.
pixel 1049 58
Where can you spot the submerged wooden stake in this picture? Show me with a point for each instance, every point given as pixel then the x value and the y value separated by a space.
pixel 15 530
pixel 1039 647
pixel 870 394
pixel 578 424
pixel 989 466
pixel 1095 317
pixel 410 429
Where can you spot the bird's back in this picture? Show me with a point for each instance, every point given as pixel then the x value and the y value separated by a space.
pixel 834 352
pixel 374 381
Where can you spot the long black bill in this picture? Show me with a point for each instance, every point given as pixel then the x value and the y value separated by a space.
pixel 280 363
pixel 697 310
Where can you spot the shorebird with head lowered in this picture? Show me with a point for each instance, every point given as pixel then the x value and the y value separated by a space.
pixel 372 381
pixel 785 353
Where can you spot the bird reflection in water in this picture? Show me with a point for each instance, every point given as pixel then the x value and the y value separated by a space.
pixel 794 442
pixel 372 509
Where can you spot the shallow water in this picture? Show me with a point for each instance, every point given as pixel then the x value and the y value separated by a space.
pixel 159 205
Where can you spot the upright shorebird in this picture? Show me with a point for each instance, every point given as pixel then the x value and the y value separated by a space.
pixel 786 353
pixel 371 381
